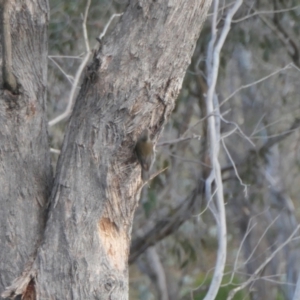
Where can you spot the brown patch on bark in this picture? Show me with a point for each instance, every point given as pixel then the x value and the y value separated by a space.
pixel 30 293
pixel 115 243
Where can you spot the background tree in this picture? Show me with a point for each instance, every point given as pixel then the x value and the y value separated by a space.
pixel 76 245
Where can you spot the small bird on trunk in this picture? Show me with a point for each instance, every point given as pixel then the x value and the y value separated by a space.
pixel 145 153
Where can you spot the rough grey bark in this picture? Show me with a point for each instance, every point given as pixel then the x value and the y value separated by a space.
pixel 130 85
pixel 25 171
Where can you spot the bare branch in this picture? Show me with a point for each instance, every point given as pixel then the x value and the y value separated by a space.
pixel 272 140
pixel 66 56
pixel 68 110
pixel 85 60
pixel 235 169
pixel 213 68
pixel 196 137
pixel 69 78
pixel 55 151
pixel 265 12
pixel 107 25
pixel 85 35
pixel 238 128
pixel 262 266
pixel 255 82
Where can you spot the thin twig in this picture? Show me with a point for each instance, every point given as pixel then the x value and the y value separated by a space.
pixel 209 205
pixel 66 56
pixel 193 161
pixel 55 151
pixel 235 266
pixel 238 128
pixel 257 124
pixel 265 12
pixel 273 135
pixel 255 82
pixel 260 239
pixel 235 169
pixel 68 110
pixel 262 266
pixel 154 175
pixel 85 34
pixel 62 70
pixel 171 142
pixel 204 118
pixel 248 231
pixel 107 25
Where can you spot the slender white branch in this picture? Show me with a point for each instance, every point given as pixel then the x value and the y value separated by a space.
pixel 55 151
pixel 85 34
pixel 107 25
pixel 213 69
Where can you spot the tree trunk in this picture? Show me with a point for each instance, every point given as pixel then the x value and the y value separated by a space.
pixel 131 84
pixel 25 170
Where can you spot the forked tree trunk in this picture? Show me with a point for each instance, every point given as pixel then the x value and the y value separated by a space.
pixel 131 84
